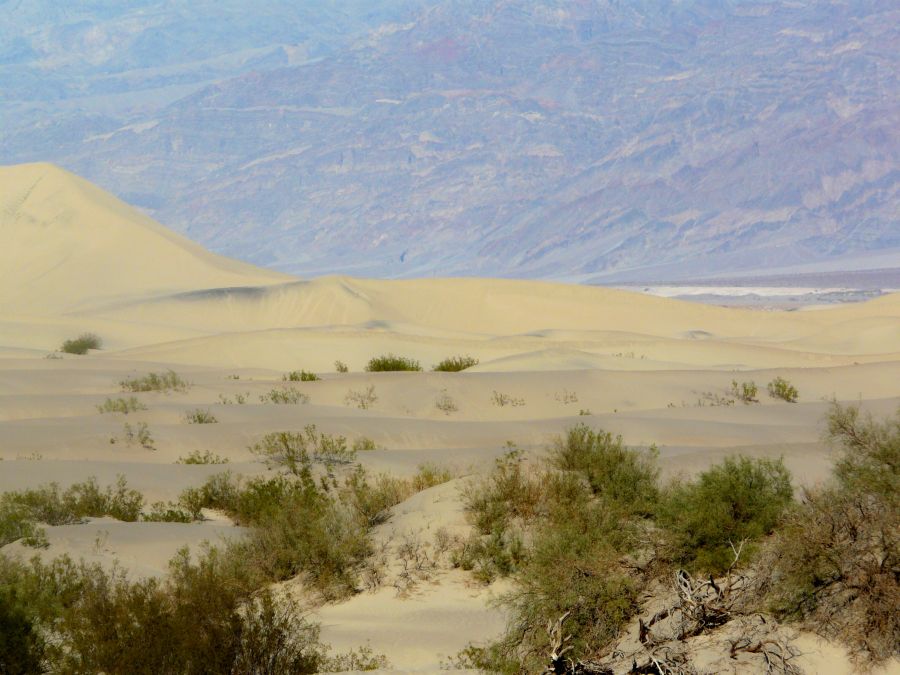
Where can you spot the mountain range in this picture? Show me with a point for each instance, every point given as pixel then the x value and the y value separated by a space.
pixel 593 140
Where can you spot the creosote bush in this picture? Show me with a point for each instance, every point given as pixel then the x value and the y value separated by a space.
pixel 300 376
pixel 781 388
pixel 391 362
pixel 741 498
pixel 295 451
pixel 205 457
pixel 82 344
pixel 745 391
pixel 199 416
pixel 121 405
pixel 164 382
pixel 833 565
pixel 455 364
pixel 284 396
pixel 341 367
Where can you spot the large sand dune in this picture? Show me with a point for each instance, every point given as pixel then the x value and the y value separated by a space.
pixel 73 259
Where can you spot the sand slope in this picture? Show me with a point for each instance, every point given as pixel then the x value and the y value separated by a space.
pixel 74 258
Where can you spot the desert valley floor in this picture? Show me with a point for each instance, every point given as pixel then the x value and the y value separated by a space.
pixel 75 259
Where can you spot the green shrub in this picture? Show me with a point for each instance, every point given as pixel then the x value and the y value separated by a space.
pixel 509 492
pixel 21 511
pixel 455 364
pixel 164 382
pixel 82 344
pixel 364 444
pixel 362 398
pixel 284 396
pixel 833 562
pixel 341 367
pixel 199 416
pixel 616 473
pixel 121 405
pixel 300 376
pixel 21 644
pixel 296 450
pixel 745 391
pixel 205 457
pixel 139 435
pixel 739 499
pixel 391 362
pixel 781 388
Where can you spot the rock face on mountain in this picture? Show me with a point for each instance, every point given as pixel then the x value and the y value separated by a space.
pixel 542 138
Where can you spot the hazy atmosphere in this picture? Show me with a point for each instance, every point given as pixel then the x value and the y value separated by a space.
pixel 407 336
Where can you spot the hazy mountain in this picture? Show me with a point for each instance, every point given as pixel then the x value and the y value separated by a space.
pixel 530 138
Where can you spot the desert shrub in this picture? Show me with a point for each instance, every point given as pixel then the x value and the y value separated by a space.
pixel 284 396
pixel 296 450
pixel 428 475
pixel 781 388
pixel 199 416
pixel 371 497
pixel 391 362
pixel 300 376
pixel 361 398
pixel 164 382
pixel 739 499
pixel 508 492
pixel 613 471
pixel 21 644
pixel 121 405
pixel 240 398
pixel 833 563
pixel 341 367
pixel 745 391
pixel 205 457
pixel 82 344
pixel 139 435
pixel 502 400
pixel 356 660
pixel 445 403
pixel 364 444
pixel 455 364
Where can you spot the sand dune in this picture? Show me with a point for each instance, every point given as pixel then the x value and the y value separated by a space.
pixel 73 258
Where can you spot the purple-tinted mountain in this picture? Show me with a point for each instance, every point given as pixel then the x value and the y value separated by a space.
pixel 570 139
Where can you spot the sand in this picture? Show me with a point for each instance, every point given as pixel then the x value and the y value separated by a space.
pixel 74 259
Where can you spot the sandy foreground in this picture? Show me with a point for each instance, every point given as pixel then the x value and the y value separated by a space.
pixel 74 259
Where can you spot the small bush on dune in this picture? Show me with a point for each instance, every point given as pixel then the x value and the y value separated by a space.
pixel 300 376
pixel 284 396
pixel 164 382
pixel 509 492
pixel 741 498
pixel 390 362
pixel 341 367
pixel 82 344
pixel 781 388
pixel 199 416
pixel 121 405
pixel 364 444
pixel 616 473
pixel 296 450
pixel 745 391
pixel 205 457
pixel 361 398
pixel 455 364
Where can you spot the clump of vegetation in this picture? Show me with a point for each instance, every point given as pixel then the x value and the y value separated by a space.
pixel 300 376
pixel 503 400
pixel 81 344
pixel 391 362
pixel 295 451
pixel 164 382
pixel 364 444
pixel 199 416
pixel 361 398
pixel 21 511
pixel 341 367
pixel 713 399
pixel 739 499
pixel 455 364
pixel 239 399
pixel 205 457
pixel 284 396
pixel 781 388
pixel 445 403
pixel 121 405
pixel 566 397
pixel 372 497
pixel 745 391
pixel 833 563
pixel 138 435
